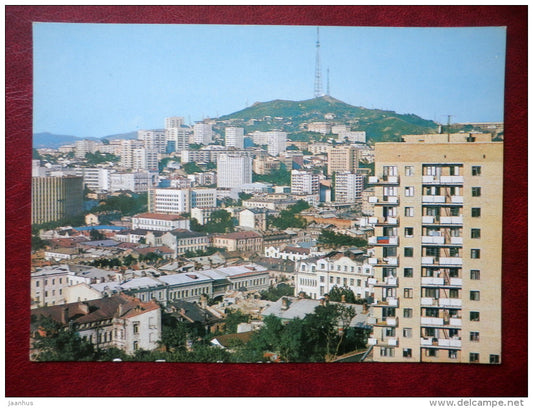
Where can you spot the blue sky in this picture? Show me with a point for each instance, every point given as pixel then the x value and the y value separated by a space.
pixel 94 80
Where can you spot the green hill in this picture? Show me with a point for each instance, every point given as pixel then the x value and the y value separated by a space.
pixel 288 116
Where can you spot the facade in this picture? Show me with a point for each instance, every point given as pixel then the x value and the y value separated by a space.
pixel 117 321
pixel 244 241
pixel 277 143
pixel 233 171
pixel 56 198
pixel 182 240
pixel 202 214
pixel 153 140
pixel 159 222
pixel 343 158
pixel 203 133
pixel 137 181
pixel 47 286
pixel 95 178
pixel 254 218
pixel 348 187
pixel 304 182
pixel 317 276
pixel 265 165
pixel 203 197
pixel 235 137
pixel 438 227
pixel 169 200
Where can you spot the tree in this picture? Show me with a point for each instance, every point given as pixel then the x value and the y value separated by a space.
pixel 273 294
pixel 335 240
pixel 38 243
pixel 61 344
pixel 289 218
pixel 337 294
pixel 191 168
pixel 219 221
pixel 96 235
pixel 232 320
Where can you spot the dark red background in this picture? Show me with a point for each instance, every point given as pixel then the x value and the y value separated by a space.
pixel 24 378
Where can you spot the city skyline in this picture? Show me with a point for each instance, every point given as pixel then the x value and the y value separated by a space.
pixel 94 80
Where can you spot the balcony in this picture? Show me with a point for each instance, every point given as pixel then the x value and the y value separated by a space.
pixel 383 240
pixel 389 281
pixel 426 301
pixel 445 343
pixel 372 281
pixel 452 220
pixel 445 180
pixel 372 341
pixel 388 302
pixel 388 321
pixel 387 200
pixel 432 321
pixel 432 240
pixel 383 221
pixel 389 261
pixel 457 322
pixel 442 261
pixel 392 342
pixel 447 302
pixel 432 220
pixel 444 200
pixel 430 281
pixel 384 180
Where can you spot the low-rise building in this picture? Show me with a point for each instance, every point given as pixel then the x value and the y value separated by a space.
pixel 243 241
pixel 182 240
pixel 119 321
pixel 159 222
pixel 254 218
pixel 317 276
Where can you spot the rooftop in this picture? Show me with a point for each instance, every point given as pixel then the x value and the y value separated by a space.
pixel 155 216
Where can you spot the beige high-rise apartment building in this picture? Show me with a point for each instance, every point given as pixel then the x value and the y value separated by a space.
pixel 56 198
pixel 437 255
pixel 342 158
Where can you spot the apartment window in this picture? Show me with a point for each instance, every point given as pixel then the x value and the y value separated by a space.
pixel 407 332
pixel 338 281
pixel 494 359
pixel 409 170
pixel 474 336
pixel 352 282
pixel 135 345
pixel 431 353
pixel 331 279
pixel 407 313
pixel 409 232
pixel 37 283
pixel 474 316
pixel 322 279
pixel 386 352
pixel 135 328
pixel 409 191
pixel 474 295
pixel 474 357
pixel 408 252
pixel 452 354
pixel 358 282
pixel 454 293
pixel 408 293
pixel 476 191
pixel 476 170
pixel 475 274
pixel 475 253
pixel 409 212
pixel 475 233
pixel 407 352
pixel 407 272
pixel 476 212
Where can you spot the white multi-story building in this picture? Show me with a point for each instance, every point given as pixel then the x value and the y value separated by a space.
pixel 95 178
pixel 277 143
pixel 82 147
pixel 353 137
pixel 203 197
pixel 235 137
pixel 137 182
pixel 127 152
pixel 304 182
pixel 168 200
pixel 159 222
pixel 233 171
pixel 348 187
pixel 203 133
pixel 317 276
pixel 176 134
pixel 153 139
pixel 174 122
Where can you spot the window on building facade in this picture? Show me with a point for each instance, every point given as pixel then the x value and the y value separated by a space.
pixel 407 332
pixel 474 295
pixel 409 170
pixel 407 313
pixel 454 293
pixel 135 328
pixel 37 283
pixel 476 191
pixel 475 274
pixel 476 212
pixel 431 353
pixel 409 232
pixel 407 352
pixel 409 212
pixel 476 170
pixel 494 359
pixel 474 336
pixel 386 352
pixel 407 272
pixel 408 293
pixel 322 279
pixel 475 253
pixel 135 345
pixel 408 252
pixel 474 316
pixel 452 354
pixel 409 191
pixel 474 357
pixel 475 233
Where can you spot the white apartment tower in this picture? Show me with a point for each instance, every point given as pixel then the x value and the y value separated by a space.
pixel 203 133
pixel 235 137
pixel 348 187
pixel 437 255
pixel 176 134
pixel 277 143
pixel 233 171
pixel 153 139
pixel 304 182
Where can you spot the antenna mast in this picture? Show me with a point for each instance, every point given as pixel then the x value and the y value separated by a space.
pixel 318 79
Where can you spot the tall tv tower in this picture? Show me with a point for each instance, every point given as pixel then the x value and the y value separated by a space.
pixel 318 78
